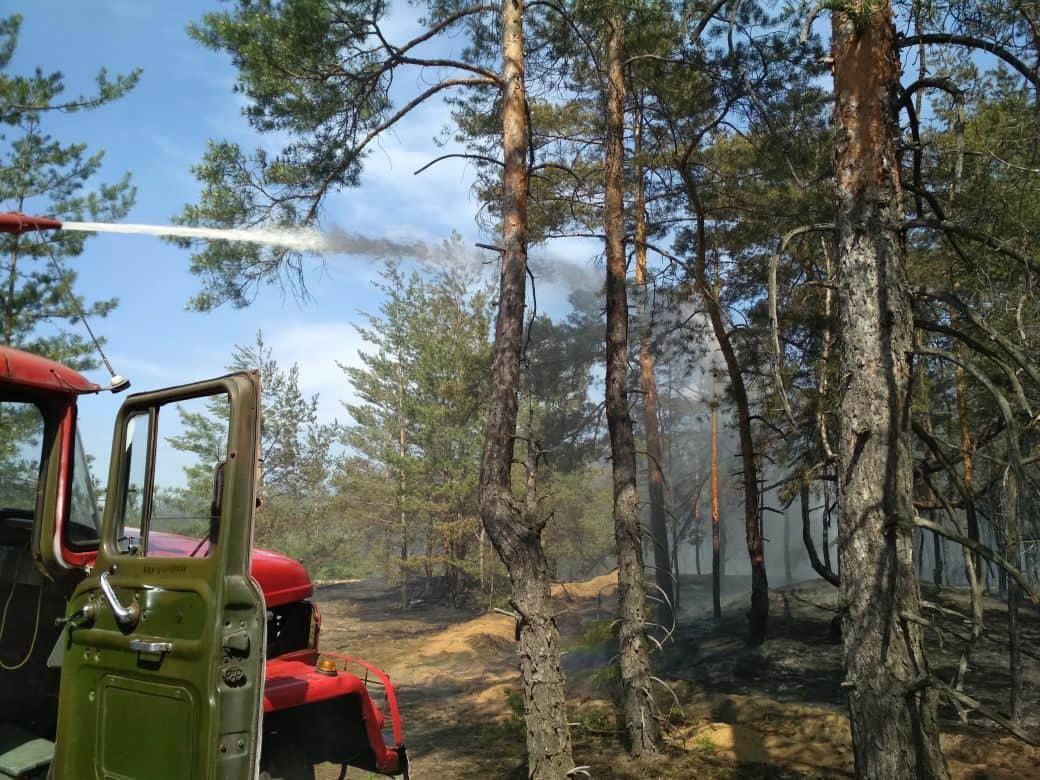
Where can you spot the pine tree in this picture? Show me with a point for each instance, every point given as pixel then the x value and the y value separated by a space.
pixel 294 450
pixel 40 174
pixel 422 393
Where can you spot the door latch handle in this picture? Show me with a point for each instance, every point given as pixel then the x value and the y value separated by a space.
pixel 142 646
pixel 126 617
pixel 81 617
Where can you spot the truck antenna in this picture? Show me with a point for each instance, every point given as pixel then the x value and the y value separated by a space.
pixel 117 382
pixel 17 223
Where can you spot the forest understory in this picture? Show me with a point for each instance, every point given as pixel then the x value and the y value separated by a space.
pixel 775 711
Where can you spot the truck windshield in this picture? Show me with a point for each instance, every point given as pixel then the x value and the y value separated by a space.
pixel 21 446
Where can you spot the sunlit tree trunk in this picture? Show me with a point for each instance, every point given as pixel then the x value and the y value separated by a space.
pixel 515 531
pixel 634 656
pixel 892 707
pixel 651 421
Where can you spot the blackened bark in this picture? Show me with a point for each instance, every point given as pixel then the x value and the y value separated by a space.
pixel 891 704
pixel 814 559
pixel 637 702
pixel 758 614
pixel 716 515
pixel 516 531
pixel 788 575
pixel 1014 600
pixel 825 539
pixel 937 564
pixel 967 459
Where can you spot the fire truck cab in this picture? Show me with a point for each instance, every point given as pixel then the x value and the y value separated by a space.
pixel 154 641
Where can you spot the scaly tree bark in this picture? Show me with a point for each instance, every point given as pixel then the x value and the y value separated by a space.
pixel 667 584
pixel 637 705
pixel 516 530
pixel 891 703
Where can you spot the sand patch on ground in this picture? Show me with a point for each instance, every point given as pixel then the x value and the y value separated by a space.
pixel 490 631
pixel 760 730
pixel 603 585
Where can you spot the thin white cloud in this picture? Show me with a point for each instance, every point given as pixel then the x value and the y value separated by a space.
pixel 317 347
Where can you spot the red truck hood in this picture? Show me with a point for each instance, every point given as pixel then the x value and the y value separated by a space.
pixel 282 579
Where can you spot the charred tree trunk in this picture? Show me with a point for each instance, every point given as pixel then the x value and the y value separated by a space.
pixel 891 704
pixel 1014 599
pixel 825 539
pixel 637 702
pixel 716 515
pixel 758 614
pixel 967 458
pixel 516 532
pixel 788 574
pixel 814 559
pixel 937 564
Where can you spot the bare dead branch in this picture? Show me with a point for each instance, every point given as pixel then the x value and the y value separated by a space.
pixel 982 550
pixel 971 42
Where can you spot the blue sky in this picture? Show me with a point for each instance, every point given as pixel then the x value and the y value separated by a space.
pixel 157 132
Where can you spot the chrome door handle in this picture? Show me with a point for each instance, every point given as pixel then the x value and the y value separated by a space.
pixel 126 617
pixel 141 646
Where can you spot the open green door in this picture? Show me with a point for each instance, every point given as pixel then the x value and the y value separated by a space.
pixel 162 671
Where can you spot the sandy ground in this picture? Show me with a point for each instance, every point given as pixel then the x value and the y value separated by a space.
pixel 776 711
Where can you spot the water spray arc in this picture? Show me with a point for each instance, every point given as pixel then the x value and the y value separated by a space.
pixel 294 239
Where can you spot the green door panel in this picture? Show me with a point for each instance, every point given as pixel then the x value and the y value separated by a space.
pixel 172 690
pixel 171 737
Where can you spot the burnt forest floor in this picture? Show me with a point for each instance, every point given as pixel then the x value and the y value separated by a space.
pixel 776 711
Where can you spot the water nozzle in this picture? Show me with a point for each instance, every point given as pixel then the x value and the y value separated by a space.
pixel 18 223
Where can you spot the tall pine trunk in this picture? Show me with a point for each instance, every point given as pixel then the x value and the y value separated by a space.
pixel 402 449
pixel 758 614
pixel 667 582
pixel 716 514
pixel 891 704
pixel 516 532
pixel 637 701
pixel 1014 598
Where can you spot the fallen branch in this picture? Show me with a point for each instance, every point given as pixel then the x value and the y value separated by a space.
pixel 979 707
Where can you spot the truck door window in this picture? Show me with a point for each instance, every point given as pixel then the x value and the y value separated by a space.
pixel 21 448
pixel 84 522
pixel 173 474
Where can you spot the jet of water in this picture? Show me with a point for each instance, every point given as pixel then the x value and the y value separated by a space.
pixel 553 268
pixel 296 239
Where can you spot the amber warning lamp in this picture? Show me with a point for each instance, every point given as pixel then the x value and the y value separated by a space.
pixel 17 223
pixel 326 666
